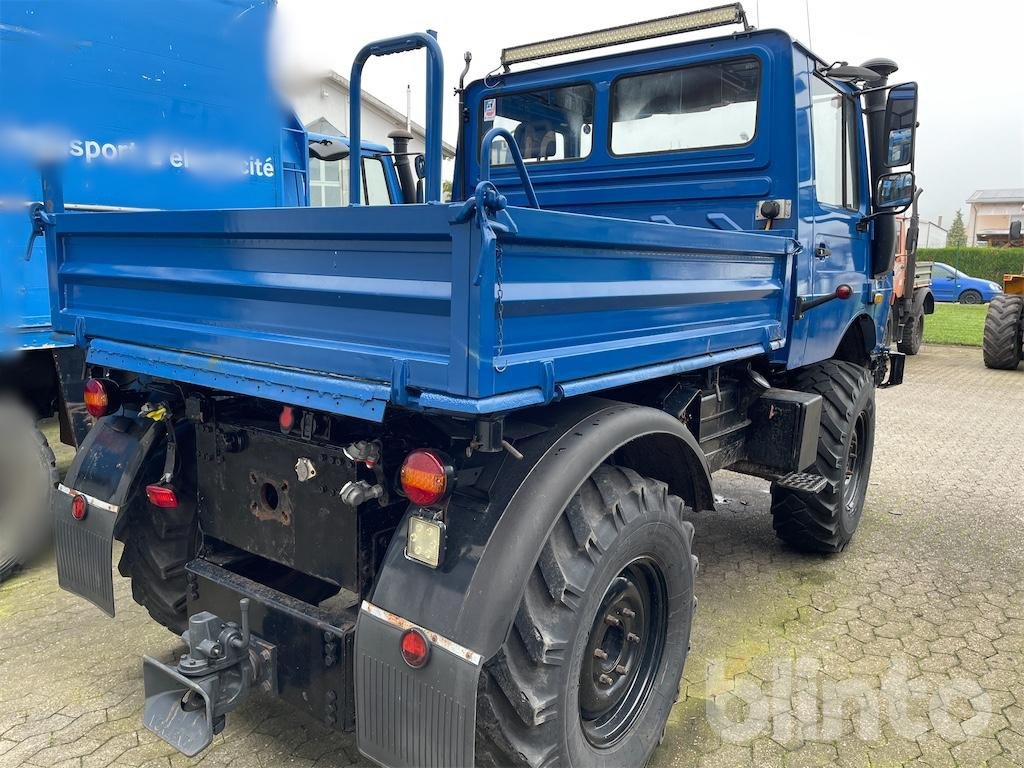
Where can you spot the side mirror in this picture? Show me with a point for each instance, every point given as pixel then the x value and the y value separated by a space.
pixel 327 150
pixel 900 125
pixel 895 190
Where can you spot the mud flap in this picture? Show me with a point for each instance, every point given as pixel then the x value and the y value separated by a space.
pixel 413 718
pixel 103 477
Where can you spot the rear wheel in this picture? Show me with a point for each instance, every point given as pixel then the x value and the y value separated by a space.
pixel 591 668
pixel 826 521
pixel 28 476
pixel 159 542
pixel 1001 346
pixel 971 296
pixel 913 336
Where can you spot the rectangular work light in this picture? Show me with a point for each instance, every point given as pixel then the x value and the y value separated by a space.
pixel 629 33
pixel 425 541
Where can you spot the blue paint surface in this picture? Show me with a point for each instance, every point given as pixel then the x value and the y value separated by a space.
pixel 634 267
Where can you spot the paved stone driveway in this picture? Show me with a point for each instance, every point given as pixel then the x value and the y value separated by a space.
pixel 906 649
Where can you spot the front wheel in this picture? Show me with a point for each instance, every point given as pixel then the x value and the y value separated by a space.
pixel 591 668
pixel 825 521
pixel 971 296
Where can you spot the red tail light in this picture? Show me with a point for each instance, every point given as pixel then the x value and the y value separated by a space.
pixel 102 397
pixel 415 648
pixel 424 477
pixel 162 496
pixel 843 292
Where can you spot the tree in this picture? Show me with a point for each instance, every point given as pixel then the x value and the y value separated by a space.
pixel 446 190
pixel 957 237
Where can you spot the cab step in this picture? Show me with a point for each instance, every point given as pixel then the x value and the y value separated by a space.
pixel 803 482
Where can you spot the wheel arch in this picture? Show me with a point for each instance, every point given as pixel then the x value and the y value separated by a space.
pixel 858 341
pixel 474 597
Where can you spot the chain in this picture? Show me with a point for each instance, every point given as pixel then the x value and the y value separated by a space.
pixel 499 284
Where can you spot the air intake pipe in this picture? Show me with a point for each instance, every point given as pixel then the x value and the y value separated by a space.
pixel 883 247
pixel 400 139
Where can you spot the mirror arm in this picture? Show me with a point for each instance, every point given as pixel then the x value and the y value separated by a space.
pixel 862 91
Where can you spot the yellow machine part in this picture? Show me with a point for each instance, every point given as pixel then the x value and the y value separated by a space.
pixel 1014 284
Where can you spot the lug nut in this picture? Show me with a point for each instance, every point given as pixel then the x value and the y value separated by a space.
pixel 604 680
pixel 629 613
pixel 633 637
pixel 599 654
pixel 612 620
pixel 621 670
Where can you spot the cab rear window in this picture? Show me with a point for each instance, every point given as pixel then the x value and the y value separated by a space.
pixel 548 125
pixel 693 107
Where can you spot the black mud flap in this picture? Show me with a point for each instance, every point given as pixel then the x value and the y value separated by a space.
pixel 413 718
pixel 98 486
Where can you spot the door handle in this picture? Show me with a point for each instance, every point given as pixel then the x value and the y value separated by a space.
pixel 822 251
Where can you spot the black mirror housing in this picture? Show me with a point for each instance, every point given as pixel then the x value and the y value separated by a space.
pixel 895 190
pixel 327 151
pixel 900 125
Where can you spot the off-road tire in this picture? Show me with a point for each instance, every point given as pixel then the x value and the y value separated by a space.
pixel 826 521
pixel 159 542
pixel 971 296
pixel 26 458
pixel 528 709
pixel 157 545
pixel 1001 345
pixel 913 336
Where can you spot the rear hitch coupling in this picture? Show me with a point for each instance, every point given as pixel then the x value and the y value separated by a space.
pixel 187 705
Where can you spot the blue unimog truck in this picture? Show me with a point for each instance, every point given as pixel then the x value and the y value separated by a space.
pixel 426 471
pixel 133 100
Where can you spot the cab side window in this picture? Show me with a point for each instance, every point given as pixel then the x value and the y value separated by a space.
pixel 833 126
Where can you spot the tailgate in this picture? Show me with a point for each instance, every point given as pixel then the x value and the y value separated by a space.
pixel 341 293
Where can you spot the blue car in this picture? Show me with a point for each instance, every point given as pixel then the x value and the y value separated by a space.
pixel 949 284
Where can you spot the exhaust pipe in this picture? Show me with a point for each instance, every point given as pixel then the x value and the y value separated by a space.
pixel 187 705
pixel 400 139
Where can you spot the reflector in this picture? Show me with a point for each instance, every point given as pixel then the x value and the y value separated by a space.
pixel 629 33
pixel 162 496
pixel 79 507
pixel 415 648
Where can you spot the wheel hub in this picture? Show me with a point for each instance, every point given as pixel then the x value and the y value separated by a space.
pixel 623 652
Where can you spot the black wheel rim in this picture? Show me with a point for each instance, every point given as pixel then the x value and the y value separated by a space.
pixel 623 653
pixel 855 457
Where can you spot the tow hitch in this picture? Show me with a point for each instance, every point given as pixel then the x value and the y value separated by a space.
pixel 186 706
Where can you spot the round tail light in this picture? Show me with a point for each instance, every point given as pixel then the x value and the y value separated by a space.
pixel 844 291
pixel 424 477
pixel 102 397
pixel 415 648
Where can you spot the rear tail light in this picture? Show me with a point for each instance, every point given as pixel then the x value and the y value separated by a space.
pixel 102 397
pixel 162 496
pixel 415 648
pixel 425 477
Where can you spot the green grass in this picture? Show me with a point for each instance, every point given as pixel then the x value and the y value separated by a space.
pixel 959 324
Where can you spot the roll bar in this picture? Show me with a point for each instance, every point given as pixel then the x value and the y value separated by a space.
pixel 435 84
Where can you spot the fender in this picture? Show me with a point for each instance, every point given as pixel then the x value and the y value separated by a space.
pixel 104 471
pixel 924 301
pixel 497 528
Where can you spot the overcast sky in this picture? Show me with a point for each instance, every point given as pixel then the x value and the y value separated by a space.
pixel 967 57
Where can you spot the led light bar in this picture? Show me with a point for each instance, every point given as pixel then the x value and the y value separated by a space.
pixel 629 33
